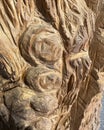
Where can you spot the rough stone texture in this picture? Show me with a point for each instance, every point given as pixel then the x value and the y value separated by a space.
pixel 51 64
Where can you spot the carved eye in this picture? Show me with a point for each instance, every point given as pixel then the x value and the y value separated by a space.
pixel 50 81
pixel 41 45
pixel 46 50
pixel 41 79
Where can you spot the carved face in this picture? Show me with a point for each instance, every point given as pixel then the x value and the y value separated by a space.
pixel 33 92
pixel 44 54
pixel 46 79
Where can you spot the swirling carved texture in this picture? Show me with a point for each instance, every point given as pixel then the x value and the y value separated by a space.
pixel 51 64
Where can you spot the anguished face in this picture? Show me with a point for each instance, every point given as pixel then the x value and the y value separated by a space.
pixel 32 92
pixel 44 47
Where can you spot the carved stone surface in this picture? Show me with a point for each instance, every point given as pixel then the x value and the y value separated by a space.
pixel 51 64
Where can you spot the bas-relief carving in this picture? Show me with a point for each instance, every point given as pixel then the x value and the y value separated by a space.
pixel 48 75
